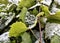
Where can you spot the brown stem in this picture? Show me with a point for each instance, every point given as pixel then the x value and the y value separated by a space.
pixel 40 30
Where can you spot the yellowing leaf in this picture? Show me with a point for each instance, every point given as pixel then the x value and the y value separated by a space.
pixel 17 28
pixel 45 9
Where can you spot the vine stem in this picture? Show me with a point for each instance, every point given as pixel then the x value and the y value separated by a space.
pixel 40 30
pixel 33 34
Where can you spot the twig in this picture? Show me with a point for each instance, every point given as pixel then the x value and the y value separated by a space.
pixel 40 30
pixel 33 34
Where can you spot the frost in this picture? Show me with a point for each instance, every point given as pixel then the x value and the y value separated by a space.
pixel 14 1
pixel 30 20
pixel 4 38
pixel 57 1
pixel 51 29
pixel 5 20
pixel 47 2
pixel 54 9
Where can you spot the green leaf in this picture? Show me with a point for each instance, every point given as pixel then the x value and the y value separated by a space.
pixel 45 9
pixel 35 12
pixel 4 1
pixel 55 39
pixel 23 14
pixel 17 28
pixel 26 3
pixel 54 18
pixel 12 41
pixel 26 38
